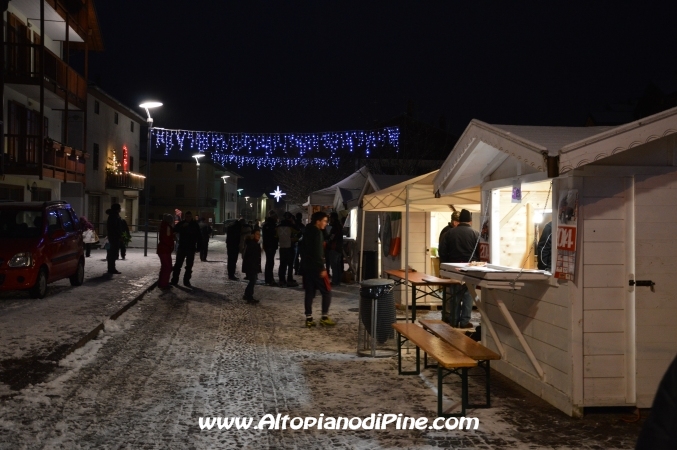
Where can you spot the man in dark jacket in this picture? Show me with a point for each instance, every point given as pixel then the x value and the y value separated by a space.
pixel 314 273
pixel 189 242
pixel 114 229
pixel 454 223
pixel 335 249
pixel 205 234
pixel 233 248
pixel 270 244
pixel 297 248
pixel 459 245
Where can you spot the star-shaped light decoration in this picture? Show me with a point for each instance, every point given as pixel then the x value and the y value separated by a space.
pixel 277 194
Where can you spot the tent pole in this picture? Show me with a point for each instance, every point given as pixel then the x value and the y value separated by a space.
pixel 361 247
pixel 406 259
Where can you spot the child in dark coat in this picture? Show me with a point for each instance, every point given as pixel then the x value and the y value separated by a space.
pixel 251 264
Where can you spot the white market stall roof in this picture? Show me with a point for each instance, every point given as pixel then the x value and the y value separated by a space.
pixel 349 191
pixel 326 196
pixel 483 148
pixel 421 197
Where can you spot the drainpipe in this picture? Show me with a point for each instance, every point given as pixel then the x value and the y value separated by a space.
pixel 3 9
pixel 41 148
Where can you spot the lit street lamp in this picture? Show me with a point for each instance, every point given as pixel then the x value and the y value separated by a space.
pixel 197 157
pixel 147 106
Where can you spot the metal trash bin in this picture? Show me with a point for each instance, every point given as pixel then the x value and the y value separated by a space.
pixel 376 337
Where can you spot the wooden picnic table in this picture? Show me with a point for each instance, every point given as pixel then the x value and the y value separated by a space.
pixel 423 283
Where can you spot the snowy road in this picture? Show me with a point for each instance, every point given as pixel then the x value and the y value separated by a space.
pixel 180 355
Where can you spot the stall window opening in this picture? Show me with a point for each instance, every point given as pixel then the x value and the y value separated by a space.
pixel 519 225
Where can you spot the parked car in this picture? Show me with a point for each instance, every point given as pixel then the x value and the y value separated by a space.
pixel 40 242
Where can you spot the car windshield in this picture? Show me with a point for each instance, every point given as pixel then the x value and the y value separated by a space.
pixel 17 223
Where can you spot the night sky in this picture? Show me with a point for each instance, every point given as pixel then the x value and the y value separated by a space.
pixel 278 65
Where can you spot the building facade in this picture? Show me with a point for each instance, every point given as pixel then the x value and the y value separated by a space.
pixel 41 158
pixel 180 184
pixel 113 140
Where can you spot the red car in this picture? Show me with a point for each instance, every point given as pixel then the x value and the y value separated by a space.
pixel 40 242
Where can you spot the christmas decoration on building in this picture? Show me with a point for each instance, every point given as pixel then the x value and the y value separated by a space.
pixel 278 149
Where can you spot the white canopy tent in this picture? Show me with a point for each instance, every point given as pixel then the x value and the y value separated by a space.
pixel 416 195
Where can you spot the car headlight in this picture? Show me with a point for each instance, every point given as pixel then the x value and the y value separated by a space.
pixel 21 260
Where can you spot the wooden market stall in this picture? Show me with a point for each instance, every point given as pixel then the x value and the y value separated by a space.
pixel 598 330
pixel 416 201
pixel 345 198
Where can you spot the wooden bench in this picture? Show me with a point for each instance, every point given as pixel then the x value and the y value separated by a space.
pixel 449 360
pixel 467 346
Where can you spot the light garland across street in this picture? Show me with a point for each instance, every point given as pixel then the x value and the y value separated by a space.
pixel 278 149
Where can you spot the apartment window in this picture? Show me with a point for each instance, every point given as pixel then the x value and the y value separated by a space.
pixel 96 107
pixel 179 167
pixel 131 164
pixel 95 157
pixel 132 126
pixel 9 192
pixel 180 188
pixel 116 118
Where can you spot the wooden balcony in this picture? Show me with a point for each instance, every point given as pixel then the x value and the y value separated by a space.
pixel 23 66
pixel 125 180
pixel 59 162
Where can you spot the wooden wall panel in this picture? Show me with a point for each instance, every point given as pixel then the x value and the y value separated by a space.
pixel 604 390
pixel 604 366
pixel 603 187
pixel 517 358
pixel 604 275
pixel 603 231
pixel 604 298
pixel 603 253
pixel 525 310
pixel 611 208
pixel 603 343
pixel 604 321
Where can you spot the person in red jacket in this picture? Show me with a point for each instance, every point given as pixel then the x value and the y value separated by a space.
pixel 165 247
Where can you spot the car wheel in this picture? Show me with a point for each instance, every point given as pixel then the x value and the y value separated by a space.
pixel 39 289
pixel 79 276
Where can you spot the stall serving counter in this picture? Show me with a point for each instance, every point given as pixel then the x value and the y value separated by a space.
pixel 489 277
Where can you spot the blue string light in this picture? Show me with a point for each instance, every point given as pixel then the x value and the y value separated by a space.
pixel 278 149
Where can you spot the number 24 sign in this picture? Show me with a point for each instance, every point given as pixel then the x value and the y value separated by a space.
pixel 566 238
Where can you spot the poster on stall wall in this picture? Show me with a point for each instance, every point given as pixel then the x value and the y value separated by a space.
pixel 567 218
pixel 516 196
pixel 484 241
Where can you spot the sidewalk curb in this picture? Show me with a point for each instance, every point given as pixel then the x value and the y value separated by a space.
pixel 92 334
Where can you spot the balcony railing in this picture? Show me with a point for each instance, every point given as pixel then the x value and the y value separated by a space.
pixel 125 180
pixel 23 66
pixel 58 161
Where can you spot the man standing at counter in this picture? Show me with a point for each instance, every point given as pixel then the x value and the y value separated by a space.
pixel 459 245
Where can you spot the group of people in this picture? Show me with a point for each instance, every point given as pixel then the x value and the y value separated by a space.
pixel 301 252
pixel 192 236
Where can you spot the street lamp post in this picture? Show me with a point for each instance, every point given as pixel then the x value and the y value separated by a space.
pixel 238 208
pixel 147 106
pixel 197 157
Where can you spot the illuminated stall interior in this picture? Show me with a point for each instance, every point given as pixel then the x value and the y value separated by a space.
pixel 518 226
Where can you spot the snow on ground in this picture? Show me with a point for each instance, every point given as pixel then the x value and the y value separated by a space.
pixel 184 354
